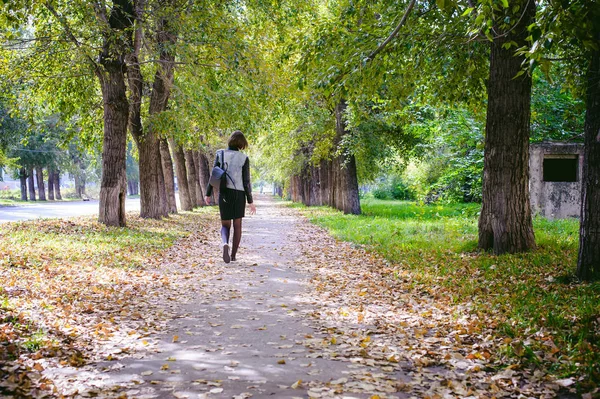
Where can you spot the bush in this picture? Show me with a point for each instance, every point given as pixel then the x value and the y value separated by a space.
pixel 395 189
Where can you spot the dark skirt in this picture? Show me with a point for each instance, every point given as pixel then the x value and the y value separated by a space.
pixel 232 204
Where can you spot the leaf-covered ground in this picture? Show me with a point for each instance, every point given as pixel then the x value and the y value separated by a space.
pixel 153 312
pixel 69 286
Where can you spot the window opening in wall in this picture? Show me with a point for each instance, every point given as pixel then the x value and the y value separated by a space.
pixel 561 168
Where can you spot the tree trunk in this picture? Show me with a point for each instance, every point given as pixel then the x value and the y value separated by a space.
pixel 57 194
pixel 50 184
pixel 205 169
pixel 349 194
pixel 168 175
pixel 23 179
pixel 152 203
pixel 82 182
pixel 505 223
pixel 588 262
pixel 190 167
pixel 31 184
pixel 114 151
pixel 77 185
pixel 182 180
pixel 40 183
pixel 199 187
pixel 324 182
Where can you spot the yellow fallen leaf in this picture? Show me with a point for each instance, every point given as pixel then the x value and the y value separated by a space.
pixel 175 338
pixel 281 361
pixel 164 367
pixel 296 384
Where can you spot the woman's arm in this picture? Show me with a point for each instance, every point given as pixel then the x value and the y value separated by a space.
pixel 246 181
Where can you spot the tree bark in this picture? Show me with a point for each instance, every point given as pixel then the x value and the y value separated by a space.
pixel 40 183
pixel 152 195
pixel 505 223
pixel 23 180
pixel 200 190
pixel 30 183
pixel 588 262
pixel 204 168
pixel 182 180
pixel 168 175
pixel 190 167
pixel 57 194
pixel 50 184
pixel 349 194
pixel 114 150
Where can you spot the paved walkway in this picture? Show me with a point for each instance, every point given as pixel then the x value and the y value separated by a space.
pixel 51 209
pixel 242 330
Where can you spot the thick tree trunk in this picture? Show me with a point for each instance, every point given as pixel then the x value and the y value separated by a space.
pixel 40 183
pixel 114 151
pixel 57 194
pixel 199 187
pixel 182 180
pixel 190 167
pixel 505 223
pixel 50 184
pixel 168 175
pixel 31 184
pixel 350 200
pixel 152 203
pixel 205 173
pixel 23 180
pixel 588 262
pixel 151 176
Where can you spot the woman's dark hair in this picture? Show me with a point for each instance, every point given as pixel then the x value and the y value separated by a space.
pixel 237 140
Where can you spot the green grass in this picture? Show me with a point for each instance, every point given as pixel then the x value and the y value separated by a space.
pixel 525 293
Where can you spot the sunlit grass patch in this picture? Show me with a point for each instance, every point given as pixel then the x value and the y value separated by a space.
pixel 547 317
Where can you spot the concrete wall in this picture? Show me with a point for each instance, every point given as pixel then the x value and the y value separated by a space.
pixel 554 200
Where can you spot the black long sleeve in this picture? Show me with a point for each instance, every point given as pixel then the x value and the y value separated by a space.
pixel 246 181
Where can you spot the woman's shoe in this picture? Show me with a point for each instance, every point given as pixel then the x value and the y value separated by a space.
pixel 226 257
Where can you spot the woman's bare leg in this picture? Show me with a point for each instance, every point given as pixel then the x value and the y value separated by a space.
pixel 237 236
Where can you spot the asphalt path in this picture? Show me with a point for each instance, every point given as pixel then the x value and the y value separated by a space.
pixel 53 209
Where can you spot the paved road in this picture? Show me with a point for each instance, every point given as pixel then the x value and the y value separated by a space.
pixel 56 210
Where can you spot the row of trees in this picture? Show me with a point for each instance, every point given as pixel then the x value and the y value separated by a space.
pixel 120 74
pixel 331 87
pixel 479 55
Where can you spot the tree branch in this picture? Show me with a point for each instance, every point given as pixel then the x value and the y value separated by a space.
pixel 70 35
pixel 394 32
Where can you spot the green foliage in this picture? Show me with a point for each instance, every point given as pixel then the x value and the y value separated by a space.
pixel 433 247
pixel 393 189
pixel 555 113
pixel 448 167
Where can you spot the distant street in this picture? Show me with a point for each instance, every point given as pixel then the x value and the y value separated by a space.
pixel 43 209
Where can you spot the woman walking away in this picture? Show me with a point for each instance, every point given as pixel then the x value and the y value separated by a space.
pixel 234 192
